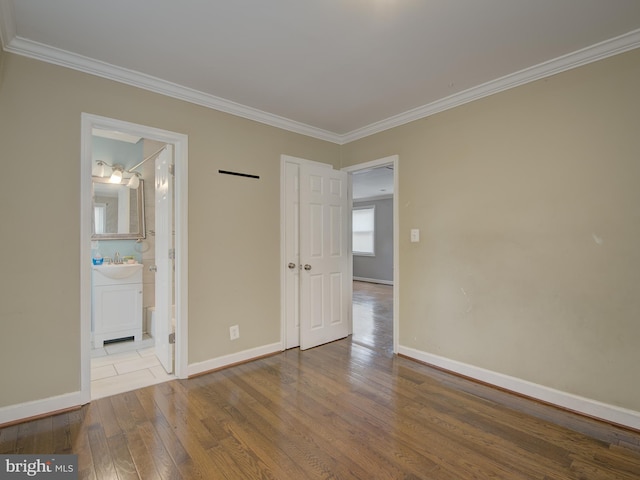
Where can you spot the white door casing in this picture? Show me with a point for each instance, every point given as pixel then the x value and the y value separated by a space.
pixel 180 144
pixel 164 257
pixel 291 240
pixel 324 244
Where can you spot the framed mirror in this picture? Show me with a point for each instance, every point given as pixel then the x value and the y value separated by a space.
pixel 118 211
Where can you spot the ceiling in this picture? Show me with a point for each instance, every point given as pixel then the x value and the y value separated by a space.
pixel 372 183
pixel 337 70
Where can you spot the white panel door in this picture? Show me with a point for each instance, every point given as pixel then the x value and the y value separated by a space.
pixel 324 282
pixel 164 257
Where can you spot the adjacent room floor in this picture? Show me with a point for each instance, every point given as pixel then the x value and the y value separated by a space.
pixel 373 316
pixel 124 366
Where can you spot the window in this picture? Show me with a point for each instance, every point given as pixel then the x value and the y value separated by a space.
pixel 363 230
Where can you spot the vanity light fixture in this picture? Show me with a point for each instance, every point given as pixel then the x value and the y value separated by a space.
pixel 117 172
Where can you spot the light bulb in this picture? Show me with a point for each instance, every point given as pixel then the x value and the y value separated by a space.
pixel 133 182
pixel 116 176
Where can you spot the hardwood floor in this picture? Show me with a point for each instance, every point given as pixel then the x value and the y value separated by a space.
pixel 342 410
pixel 373 316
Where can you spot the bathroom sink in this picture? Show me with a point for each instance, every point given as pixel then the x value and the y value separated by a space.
pixel 117 271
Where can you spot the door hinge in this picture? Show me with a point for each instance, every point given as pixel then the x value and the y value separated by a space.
pixel 172 338
pixel 172 254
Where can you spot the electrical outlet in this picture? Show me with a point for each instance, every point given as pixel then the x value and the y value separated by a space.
pixel 234 332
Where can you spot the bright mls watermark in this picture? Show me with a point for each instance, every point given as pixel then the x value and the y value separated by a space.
pixel 52 467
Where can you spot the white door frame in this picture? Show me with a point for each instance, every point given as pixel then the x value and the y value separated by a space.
pixel 395 161
pixel 180 144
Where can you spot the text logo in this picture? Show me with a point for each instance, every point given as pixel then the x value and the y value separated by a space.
pixel 51 467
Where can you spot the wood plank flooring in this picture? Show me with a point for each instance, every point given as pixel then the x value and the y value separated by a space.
pixel 373 316
pixel 339 411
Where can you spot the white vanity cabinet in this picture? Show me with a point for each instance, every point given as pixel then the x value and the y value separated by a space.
pixel 117 302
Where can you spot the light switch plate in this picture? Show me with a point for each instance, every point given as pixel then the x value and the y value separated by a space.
pixel 415 235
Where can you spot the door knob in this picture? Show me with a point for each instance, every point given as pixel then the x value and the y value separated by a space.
pixel 291 265
pixel 307 267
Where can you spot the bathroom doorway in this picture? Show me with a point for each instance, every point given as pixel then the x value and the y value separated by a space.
pixel 132 361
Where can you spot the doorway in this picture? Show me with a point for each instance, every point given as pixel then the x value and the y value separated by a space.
pixel 380 274
pixel 290 242
pixel 169 149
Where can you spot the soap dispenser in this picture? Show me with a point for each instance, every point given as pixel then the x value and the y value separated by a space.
pixel 97 259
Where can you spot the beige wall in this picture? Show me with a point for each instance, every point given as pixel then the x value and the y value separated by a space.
pixel 234 228
pixel 528 204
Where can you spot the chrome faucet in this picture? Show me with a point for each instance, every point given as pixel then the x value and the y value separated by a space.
pixel 116 258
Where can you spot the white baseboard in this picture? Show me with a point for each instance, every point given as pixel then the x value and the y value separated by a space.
pixel 586 406
pixel 231 359
pixel 23 411
pixel 373 280
pixel 50 405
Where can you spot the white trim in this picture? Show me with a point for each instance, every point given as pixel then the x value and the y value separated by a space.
pixel 374 280
pixel 181 220
pixel 590 54
pixel 283 255
pixel 56 56
pixel 28 48
pixel 395 161
pixel 381 162
pixel 180 144
pixel 232 359
pixel 576 403
pixel 35 408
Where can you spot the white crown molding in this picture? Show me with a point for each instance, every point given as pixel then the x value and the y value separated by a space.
pixel 45 53
pixel 21 46
pixel 599 51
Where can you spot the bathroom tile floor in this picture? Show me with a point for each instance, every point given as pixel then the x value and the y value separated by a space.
pixel 124 366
